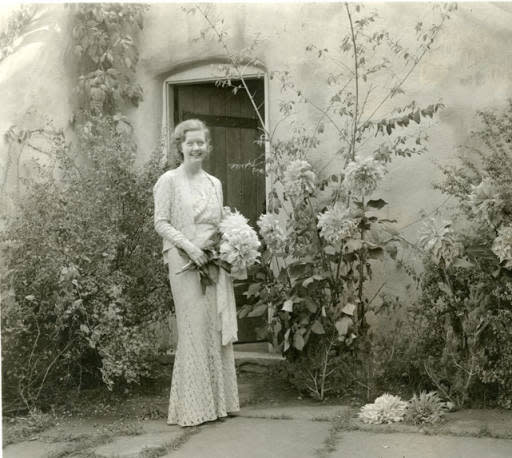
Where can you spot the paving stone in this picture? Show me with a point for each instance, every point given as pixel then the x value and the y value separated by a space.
pixel 358 444
pixel 255 438
pixel 302 412
pixel 132 446
pixel 32 449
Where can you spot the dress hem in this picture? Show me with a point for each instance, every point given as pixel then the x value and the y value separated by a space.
pixel 212 418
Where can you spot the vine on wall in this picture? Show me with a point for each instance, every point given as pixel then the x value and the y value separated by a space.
pixel 104 42
pixel 17 25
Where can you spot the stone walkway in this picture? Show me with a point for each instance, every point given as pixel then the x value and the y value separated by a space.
pixel 300 431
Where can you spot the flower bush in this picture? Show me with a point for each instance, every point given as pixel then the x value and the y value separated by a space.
pixel 386 409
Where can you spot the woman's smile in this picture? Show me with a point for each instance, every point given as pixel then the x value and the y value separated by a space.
pixel 195 146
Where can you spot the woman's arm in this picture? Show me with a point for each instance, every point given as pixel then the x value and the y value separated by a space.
pixel 163 198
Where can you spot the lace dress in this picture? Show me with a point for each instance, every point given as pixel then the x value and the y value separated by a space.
pixel 204 383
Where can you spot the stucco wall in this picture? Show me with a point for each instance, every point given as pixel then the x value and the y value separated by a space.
pixel 468 69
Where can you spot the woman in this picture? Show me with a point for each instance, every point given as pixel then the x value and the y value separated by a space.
pixel 188 209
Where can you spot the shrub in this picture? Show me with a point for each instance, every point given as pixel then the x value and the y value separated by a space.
pixel 467 284
pixel 84 275
pixel 425 408
pixel 386 409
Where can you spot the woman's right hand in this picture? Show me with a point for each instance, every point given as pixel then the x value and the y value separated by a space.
pixel 196 255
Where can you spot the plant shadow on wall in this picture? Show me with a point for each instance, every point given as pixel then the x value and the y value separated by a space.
pixel 84 281
pixel 324 234
pixel 467 287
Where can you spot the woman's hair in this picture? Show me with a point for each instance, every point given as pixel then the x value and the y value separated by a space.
pixel 180 132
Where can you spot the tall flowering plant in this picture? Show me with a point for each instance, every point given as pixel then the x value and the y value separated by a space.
pixel 319 239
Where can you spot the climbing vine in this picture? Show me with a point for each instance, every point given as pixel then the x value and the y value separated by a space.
pixel 17 25
pixel 104 43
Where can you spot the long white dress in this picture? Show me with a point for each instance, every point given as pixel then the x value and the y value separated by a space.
pixel 204 385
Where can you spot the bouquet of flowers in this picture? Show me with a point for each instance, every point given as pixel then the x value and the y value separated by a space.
pixel 234 248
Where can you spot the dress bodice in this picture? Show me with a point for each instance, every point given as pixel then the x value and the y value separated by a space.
pixel 206 208
pixel 183 209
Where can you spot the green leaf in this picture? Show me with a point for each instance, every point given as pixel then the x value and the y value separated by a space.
pixel 253 290
pixel 462 263
pixel 379 203
pixel 342 326
pixel 445 288
pixel 311 306
pixel 258 311
pixel 317 328
pixel 288 305
pixel 298 269
pixel 375 252
pixel 244 310
pixel 312 279
pixel 349 309
pixel 298 341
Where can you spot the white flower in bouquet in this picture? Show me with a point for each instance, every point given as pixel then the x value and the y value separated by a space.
pixel 386 409
pixel 440 241
pixel 336 224
pixel 362 176
pixel 486 203
pixel 239 242
pixel 502 246
pixel 272 233
pixel 299 179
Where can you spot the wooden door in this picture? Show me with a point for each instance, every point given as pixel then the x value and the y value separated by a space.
pixel 234 128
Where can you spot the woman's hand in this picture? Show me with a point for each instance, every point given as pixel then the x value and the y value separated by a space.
pixel 196 255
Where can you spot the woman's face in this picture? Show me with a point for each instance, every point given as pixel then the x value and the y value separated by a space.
pixel 194 147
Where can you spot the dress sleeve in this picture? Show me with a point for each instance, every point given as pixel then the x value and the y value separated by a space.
pixel 163 198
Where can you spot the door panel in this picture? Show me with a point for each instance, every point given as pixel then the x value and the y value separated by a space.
pixel 234 129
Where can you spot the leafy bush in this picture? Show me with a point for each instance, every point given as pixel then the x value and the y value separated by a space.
pixel 467 285
pixel 425 408
pixel 85 281
pixel 386 409
pixel 84 270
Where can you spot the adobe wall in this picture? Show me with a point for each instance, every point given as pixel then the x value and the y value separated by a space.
pixel 469 69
